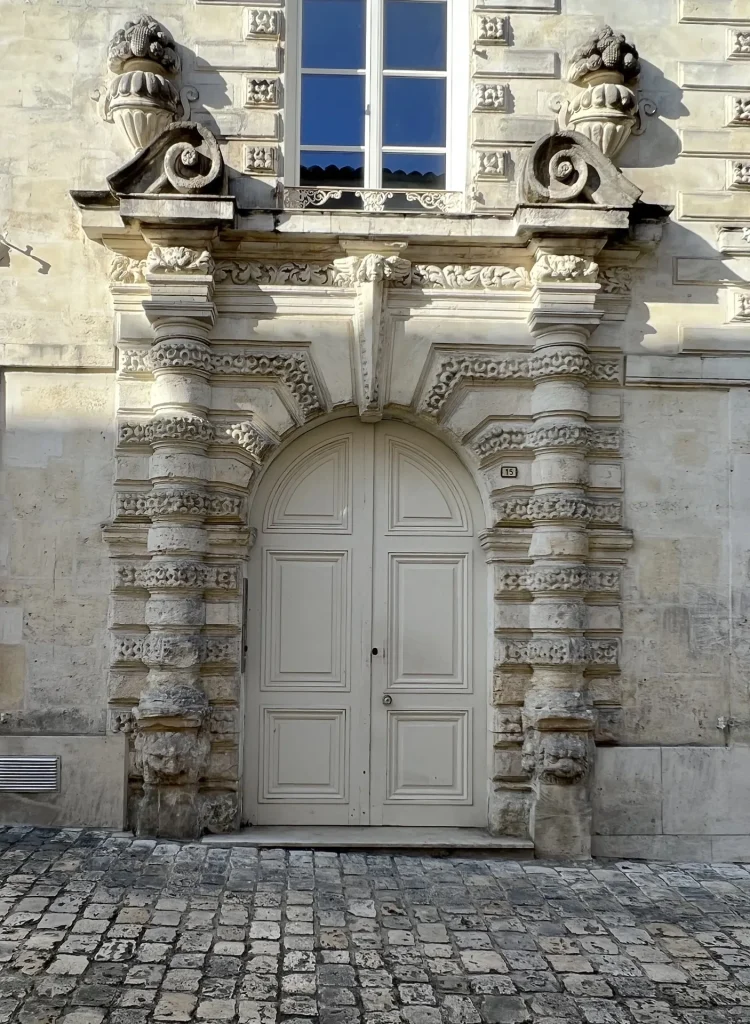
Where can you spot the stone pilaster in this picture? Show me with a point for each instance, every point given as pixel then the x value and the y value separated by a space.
pixel 558 721
pixel 172 741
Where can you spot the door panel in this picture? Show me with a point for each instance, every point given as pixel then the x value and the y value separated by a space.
pixel 305 643
pixel 429 739
pixel 367 582
pixel 304 754
pixel 428 621
pixel 309 636
pixel 429 756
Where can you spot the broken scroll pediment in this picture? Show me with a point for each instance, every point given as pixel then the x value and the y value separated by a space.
pixel 566 167
pixel 184 159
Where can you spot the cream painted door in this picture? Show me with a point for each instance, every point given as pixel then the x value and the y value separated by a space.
pixel 366 543
pixel 429 687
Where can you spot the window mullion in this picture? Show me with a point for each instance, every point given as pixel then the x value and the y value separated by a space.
pixel 374 94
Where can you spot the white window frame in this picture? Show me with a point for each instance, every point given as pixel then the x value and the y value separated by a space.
pixel 457 78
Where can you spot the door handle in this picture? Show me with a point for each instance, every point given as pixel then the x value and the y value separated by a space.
pixel 387 699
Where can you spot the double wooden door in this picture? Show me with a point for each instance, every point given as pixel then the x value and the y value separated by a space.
pixel 366 672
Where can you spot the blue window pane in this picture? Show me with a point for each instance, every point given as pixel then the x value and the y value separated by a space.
pixel 340 170
pixel 415 35
pixel 414 112
pixel 333 110
pixel 413 170
pixel 333 34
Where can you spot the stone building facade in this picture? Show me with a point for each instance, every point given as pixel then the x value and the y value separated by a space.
pixel 394 496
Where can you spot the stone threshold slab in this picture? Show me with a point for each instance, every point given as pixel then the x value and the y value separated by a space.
pixel 376 837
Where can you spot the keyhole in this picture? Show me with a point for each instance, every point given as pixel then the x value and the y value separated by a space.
pixel 374 650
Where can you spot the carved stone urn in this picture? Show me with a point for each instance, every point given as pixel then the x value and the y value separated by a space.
pixel 141 99
pixel 607 110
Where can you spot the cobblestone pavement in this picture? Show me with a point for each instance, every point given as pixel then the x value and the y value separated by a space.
pixel 99 928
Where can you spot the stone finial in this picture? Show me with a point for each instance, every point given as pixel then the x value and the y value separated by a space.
pixel 604 51
pixel 143 41
pixel 606 112
pixel 141 100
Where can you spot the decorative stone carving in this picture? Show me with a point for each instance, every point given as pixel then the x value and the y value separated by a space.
pixel 126 270
pixel 261 22
pixel 261 92
pixel 247 436
pixel 241 272
pixel 174 758
pixel 369 275
pixel 499 438
pixel 553 579
pixel 567 167
pixel 141 100
pixel 558 507
pixel 553 267
pixel 166 428
pixel 493 164
pixel 563 650
pixel 291 369
pixel 493 29
pixel 260 159
pixel 508 728
pixel 742 306
pixel 457 277
pixel 121 720
pixel 740 174
pixel 184 158
pixel 490 96
pixel 606 112
pixel 615 280
pixel 739 110
pixel 176 651
pixel 453 369
pixel 740 44
pixel 556 758
pixel 177 502
pixel 169 575
pixel 171 354
pixel 143 40
pixel 178 259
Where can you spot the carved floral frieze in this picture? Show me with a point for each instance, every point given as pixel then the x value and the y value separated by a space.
pixel 291 369
pixel 558 507
pixel 194 429
pixel 499 438
pixel 178 503
pixel 183 574
pixel 563 650
pixel 455 369
pixel 166 649
pixel 511 579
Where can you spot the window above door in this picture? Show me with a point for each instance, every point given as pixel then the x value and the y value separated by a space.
pixel 380 97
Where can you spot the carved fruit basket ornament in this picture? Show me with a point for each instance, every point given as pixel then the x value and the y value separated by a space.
pixel 606 112
pixel 141 99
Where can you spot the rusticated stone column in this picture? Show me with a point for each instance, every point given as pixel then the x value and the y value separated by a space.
pixel 172 741
pixel 557 717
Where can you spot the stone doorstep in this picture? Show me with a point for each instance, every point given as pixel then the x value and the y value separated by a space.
pixel 393 838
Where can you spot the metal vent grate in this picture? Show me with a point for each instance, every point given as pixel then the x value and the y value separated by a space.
pixel 30 774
